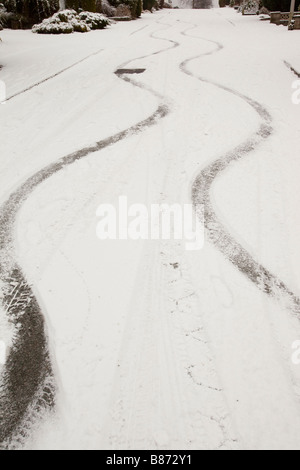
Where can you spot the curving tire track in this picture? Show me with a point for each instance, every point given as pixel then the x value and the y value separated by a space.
pixel 216 232
pixel 27 383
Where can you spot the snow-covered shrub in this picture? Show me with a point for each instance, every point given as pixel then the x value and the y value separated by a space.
pixel 53 28
pixel 93 20
pixel 108 9
pixel 69 21
pixel 65 16
pixel 251 6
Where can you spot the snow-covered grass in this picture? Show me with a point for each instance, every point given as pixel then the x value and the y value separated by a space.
pixel 69 21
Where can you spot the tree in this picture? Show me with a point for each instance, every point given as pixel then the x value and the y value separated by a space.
pixel 29 12
pixel 149 4
pixel 279 5
pixel 85 5
pixel 139 8
pixel 134 5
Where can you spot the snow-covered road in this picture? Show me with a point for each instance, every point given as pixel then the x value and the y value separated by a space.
pixel 151 346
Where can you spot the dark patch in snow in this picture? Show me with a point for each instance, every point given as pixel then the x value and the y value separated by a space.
pixel 202 4
pixel 27 377
pixel 129 71
pixel 175 265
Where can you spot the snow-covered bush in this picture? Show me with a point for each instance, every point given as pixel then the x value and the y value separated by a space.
pixel 250 7
pixel 69 21
pixel 108 9
pixel 93 20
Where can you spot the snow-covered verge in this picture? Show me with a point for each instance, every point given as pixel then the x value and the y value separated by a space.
pixel 154 347
pixel 69 21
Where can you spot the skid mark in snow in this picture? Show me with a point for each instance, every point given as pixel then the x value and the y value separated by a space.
pixel 289 66
pixel 138 30
pixel 226 19
pixel 129 71
pixel 27 385
pixel 217 233
pixel 213 51
pixel 52 76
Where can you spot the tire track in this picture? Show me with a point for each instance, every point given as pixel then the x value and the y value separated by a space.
pixel 27 384
pixel 52 76
pixel 289 66
pixel 138 30
pixel 216 232
pixel 226 19
pixel 214 51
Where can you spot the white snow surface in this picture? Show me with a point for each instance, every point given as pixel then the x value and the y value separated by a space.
pixel 147 356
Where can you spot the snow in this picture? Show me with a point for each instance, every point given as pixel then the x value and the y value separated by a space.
pixel 154 346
